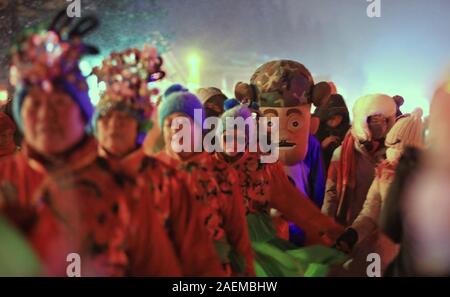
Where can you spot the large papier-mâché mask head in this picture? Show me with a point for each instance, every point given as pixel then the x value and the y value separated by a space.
pixel 285 89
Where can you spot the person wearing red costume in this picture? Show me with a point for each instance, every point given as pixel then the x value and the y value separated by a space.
pixel 284 90
pixel 121 121
pixel 266 186
pixel 222 203
pixel 56 189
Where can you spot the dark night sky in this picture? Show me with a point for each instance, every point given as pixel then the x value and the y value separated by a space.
pixel 404 51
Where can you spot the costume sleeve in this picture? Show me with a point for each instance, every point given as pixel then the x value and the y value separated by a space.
pixel 367 219
pixel 235 224
pixel 331 199
pixel 17 184
pixel 150 251
pixel 297 208
pixel 195 249
pixel 51 246
pixel 180 213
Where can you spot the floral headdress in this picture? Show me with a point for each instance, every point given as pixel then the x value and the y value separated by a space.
pixel 39 57
pixel 127 76
pixel 49 57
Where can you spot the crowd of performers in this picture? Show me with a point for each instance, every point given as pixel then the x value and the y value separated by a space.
pixel 105 182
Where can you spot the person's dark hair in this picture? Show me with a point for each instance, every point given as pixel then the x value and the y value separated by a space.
pixel 335 106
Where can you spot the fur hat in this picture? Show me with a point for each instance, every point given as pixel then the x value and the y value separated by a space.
pixel 184 102
pixel 370 105
pixel 49 59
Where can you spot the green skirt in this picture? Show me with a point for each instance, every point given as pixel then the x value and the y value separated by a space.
pixel 277 257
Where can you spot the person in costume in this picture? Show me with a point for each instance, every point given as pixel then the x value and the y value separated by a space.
pixel 122 118
pixel 265 186
pixel 56 190
pixel 314 183
pixel 314 178
pixel 215 188
pixel 7 130
pixel 315 172
pixel 353 164
pixel 285 90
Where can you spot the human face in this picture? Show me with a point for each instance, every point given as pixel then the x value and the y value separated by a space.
pixel 52 121
pixel 378 126
pixel 117 132
pixel 293 131
pixel 234 142
pixel 179 135
pixel 334 121
pixel 214 107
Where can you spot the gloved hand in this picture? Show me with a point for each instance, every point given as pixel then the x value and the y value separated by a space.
pixel 347 240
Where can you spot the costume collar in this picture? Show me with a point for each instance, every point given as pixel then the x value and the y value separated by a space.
pixel 79 156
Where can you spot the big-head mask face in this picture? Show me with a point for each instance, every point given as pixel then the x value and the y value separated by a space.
pixel 285 89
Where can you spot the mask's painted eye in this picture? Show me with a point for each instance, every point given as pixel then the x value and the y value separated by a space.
pixel 295 122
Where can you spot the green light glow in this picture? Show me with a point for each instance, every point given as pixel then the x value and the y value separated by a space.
pixel 3 95
pixel 194 62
